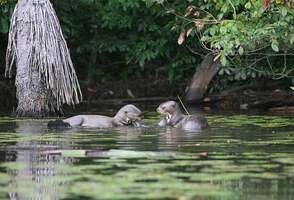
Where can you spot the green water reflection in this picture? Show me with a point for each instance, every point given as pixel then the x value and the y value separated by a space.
pixel 238 157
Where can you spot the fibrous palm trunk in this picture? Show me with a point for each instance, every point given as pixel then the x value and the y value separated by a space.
pixel 31 92
pixel 45 77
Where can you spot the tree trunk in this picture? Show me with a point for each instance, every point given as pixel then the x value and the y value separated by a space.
pixel 30 89
pixel 202 78
pixel 45 76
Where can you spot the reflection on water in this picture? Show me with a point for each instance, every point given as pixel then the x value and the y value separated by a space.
pixel 32 174
pixel 238 157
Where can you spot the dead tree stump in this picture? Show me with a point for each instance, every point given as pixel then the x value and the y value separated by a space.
pixel 201 79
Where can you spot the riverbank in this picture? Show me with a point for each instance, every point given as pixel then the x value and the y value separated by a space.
pixel 276 99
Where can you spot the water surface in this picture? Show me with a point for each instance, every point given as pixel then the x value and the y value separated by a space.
pixel 238 157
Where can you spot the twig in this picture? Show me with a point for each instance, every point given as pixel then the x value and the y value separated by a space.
pixel 194 52
pixel 234 9
pixel 183 105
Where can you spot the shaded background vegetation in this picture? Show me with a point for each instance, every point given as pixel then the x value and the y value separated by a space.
pixel 133 44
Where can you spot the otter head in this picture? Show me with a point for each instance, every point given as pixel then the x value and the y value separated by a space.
pixel 128 114
pixel 168 109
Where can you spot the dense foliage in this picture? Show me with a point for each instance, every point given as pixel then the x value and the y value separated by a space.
pixel 119 39
pixel 251 38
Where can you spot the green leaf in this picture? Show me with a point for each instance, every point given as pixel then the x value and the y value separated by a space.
pixel 212 31
pixel 291 38
pixel 221 71
pixel 275 46
pixel 243 75
pixel 241 51
pixel 284 11
pixel 248 5
pixel 223 60
pixel 228 72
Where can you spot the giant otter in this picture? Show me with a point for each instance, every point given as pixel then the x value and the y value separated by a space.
pixel 174 117
pixel 127 115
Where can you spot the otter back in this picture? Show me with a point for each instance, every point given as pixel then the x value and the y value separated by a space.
pixel 194 123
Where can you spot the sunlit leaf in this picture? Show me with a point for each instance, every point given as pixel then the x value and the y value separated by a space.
pixel 181 38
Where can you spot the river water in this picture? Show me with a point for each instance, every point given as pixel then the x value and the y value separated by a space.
pixel 238 157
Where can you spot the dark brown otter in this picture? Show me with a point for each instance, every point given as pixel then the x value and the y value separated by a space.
pixel 128 115
pixel 174 117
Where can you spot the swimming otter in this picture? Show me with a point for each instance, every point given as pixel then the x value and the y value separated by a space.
pixel 127 115
pixel 175 118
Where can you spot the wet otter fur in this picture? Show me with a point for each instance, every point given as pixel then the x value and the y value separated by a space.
pixel 128 115
pixel 58 124
pixel 174 117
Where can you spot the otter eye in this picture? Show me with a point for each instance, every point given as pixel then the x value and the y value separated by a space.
pixel 163 107
pixel 174 105
pixel 126 112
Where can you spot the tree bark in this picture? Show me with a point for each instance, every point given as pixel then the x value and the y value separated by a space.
pixel 201 79
pixel 45 76
pixel 30 89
